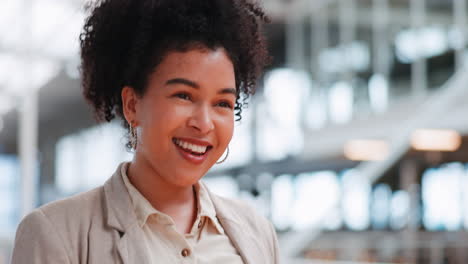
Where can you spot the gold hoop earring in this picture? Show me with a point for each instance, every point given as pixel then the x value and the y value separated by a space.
pixel 225 158
pixel 133 136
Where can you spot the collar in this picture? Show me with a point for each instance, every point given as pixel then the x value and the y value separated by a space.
pixel 206 207
pixel 118 205
pixel 143 208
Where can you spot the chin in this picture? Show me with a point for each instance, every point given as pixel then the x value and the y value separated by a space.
pixel 186 179
pixel 185 183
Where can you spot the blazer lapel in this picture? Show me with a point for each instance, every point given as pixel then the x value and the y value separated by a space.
pixel 130 247
pixel 238 232
pixel 242 240
pixel 121 216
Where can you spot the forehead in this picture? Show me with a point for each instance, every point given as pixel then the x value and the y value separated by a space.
pixel 197 65
pixel 198 55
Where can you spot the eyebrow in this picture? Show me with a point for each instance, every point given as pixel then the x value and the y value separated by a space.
pixel 196 86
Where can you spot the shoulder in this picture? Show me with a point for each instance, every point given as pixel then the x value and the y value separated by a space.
pixel 242 213
pixel 46 234
pixel 250 221
pixel 238 210
pixel 37 241
pixel 80 205
pixel 65 216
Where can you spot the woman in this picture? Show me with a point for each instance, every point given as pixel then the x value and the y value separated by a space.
pixel 176 73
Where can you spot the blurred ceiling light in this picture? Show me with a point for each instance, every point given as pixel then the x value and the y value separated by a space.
pixel 50 30
pixel 7 11
pixel 413 44
pixel 55 27
pixel 341 102
pixel 298 84
pixel 316 111
pixel 378 93
pixel 366 150
pixel 10 29
pixel 281 113
pixel 436 140
pixel 354 56
pixel 19 75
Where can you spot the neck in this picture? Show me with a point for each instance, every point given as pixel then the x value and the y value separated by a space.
pixel 175 201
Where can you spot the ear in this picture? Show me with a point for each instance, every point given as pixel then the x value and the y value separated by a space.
pixel 129 104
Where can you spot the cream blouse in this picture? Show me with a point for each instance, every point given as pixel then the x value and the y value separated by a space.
pixel 206 243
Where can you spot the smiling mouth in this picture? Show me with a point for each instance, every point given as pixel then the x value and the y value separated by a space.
pixel 191 148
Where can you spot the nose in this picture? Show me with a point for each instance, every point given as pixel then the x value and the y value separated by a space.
pixel 201 119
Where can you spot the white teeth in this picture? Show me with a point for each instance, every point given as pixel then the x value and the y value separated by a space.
pixel 191 147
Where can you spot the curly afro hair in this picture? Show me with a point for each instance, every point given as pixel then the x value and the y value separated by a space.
pixel 124 40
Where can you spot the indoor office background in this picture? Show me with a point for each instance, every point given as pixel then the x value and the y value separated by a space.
pixel 355 145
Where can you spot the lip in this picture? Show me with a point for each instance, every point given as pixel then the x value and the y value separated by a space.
pixel 194 159
pixel 195 141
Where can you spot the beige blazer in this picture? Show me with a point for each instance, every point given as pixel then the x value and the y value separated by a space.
pixel 100 226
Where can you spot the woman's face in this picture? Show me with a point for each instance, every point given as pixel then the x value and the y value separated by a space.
pixel 185 119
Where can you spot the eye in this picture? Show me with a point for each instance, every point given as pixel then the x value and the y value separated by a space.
pixel 225 104
pixel 183 96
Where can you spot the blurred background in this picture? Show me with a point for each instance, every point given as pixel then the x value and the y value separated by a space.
pixel 355 145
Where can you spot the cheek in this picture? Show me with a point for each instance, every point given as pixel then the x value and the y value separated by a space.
pixel 226 130
pixel 160 113
pixel 156 121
